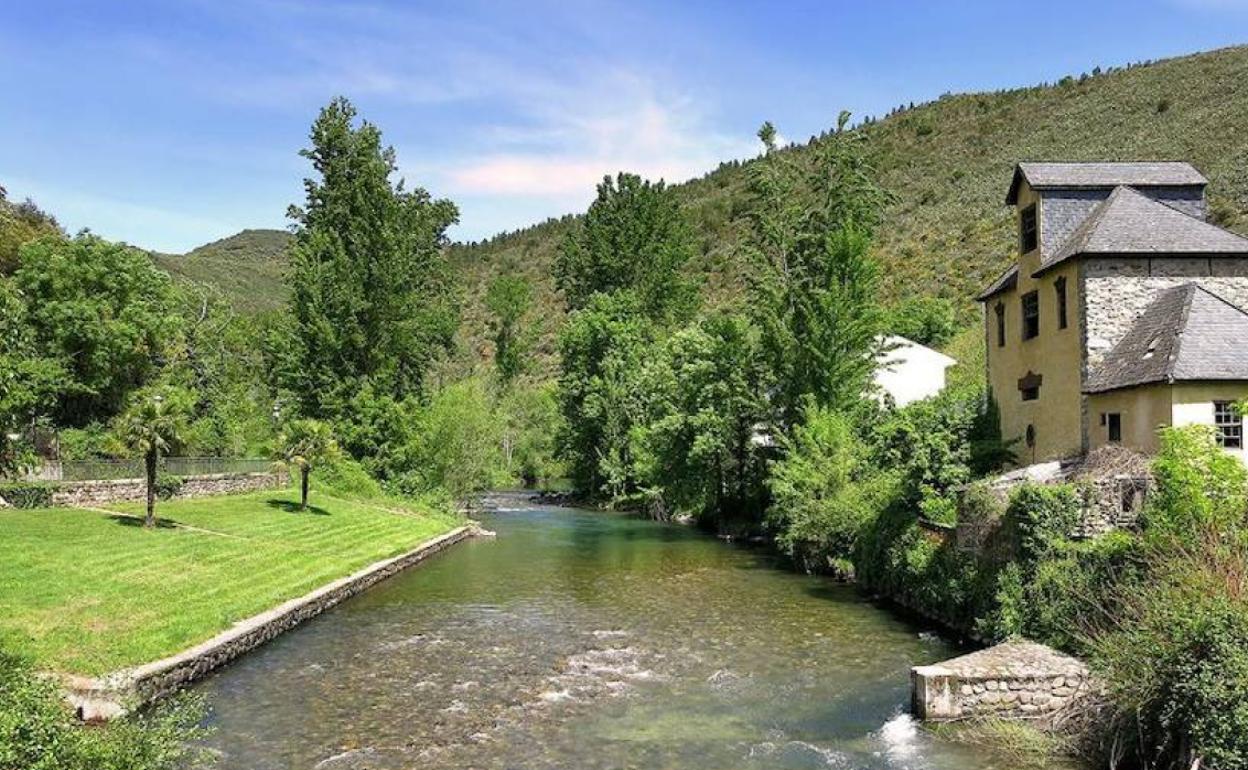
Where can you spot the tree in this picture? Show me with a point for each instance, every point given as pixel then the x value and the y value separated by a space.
pixel 824 491
pixel 697 450
pixel 29 381
pixel 508 299
pixel 305 445
pixel 104 312
pixel 634 239
pixel 371 292
pixel 151 426
pixel 928 321
pixel 602 348
pixel 21 223
pixel 815 287
pixel 767 135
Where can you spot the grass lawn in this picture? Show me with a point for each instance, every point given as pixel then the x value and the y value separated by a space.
pixel 85 592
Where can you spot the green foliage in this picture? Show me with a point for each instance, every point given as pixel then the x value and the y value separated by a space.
pixel 928 321
pixel 27 494
pixel 168 485
pixel 21 223
pixel 694 449
pixel 530 423
pixel 824 490
pixel 1176 659
pixel 39 732
pixel 632 239
pixel 151 426
pixel 602 348
pixel 928 441
pixel 246 269
pixel 371 293
pixel 348 476
pixel 457 441
pixel 814 282
pixel 508 299
pixel 1041 518
pixel 102 312
pixel 1198 484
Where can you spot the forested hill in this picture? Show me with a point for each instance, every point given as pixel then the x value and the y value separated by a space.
pixel 246 267
pixel 947 163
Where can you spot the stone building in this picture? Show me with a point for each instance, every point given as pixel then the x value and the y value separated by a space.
pixel 1124 312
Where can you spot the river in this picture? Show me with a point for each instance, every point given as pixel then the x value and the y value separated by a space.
pixel 586 640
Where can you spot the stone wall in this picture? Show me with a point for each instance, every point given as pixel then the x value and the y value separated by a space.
pixel 1117 291
pixel 89 493
pixel 104 698
pixel 1014 680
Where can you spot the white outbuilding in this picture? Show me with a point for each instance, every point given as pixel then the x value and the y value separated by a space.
pixel 909 372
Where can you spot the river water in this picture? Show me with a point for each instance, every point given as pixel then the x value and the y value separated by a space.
pixel 586 640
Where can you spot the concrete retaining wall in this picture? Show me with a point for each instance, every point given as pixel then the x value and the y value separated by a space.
pixel 103 698
pixel 88 493
pixel 1014 680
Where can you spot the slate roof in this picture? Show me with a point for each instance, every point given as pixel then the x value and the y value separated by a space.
pixel 1187 334
pixel 1103 175
pixel 1008 280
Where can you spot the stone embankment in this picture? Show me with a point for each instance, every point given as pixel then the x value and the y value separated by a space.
pixel 103 698
pixel 1013 680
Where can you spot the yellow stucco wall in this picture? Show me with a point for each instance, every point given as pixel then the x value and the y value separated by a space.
pixel 1143 409
pixel 1149 407
pixel 1056 354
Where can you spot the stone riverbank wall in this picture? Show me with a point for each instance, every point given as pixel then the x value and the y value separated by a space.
pixel 107 697
pixel 89 493
pixel 1013 680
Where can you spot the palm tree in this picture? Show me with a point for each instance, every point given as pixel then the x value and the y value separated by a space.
pixel 150 426
pixel 306 443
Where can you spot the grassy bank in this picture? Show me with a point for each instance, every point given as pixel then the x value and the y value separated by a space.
pixel 87 592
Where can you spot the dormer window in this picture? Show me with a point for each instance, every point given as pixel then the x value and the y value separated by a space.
pixel 1028 232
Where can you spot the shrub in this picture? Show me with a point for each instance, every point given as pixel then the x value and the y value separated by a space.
pixel 348 476
pixel 1041 517
pixel 38 731
pixel 168 486
pixel 1198 485
pixel 824 491
pixel 1177 660
pixel 25 494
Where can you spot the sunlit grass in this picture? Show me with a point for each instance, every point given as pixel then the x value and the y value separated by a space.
pixel 85 592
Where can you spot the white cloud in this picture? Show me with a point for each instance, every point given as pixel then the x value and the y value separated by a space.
pixel 573 137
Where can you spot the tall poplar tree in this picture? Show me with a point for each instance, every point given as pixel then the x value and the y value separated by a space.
pixel 815 286
pixel 372 300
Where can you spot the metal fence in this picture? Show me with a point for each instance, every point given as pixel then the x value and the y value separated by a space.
pixel 98 470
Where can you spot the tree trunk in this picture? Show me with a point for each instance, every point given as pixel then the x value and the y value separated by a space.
pixel 150 462
pixel 303 488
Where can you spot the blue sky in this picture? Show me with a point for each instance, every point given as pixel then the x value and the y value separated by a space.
pixel 170 124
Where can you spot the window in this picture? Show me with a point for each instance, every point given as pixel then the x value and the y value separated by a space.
pixel 1229 425
pixel 1060 287
pixel 1031 315
pixel 1113 426
pixel 1029 386
pixel 1027 232
pixel 1000 308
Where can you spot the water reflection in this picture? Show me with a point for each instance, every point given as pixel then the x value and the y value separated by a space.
pixel 583 640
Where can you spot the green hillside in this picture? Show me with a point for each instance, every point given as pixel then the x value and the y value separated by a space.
pixel 947 162
pixel 246 268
